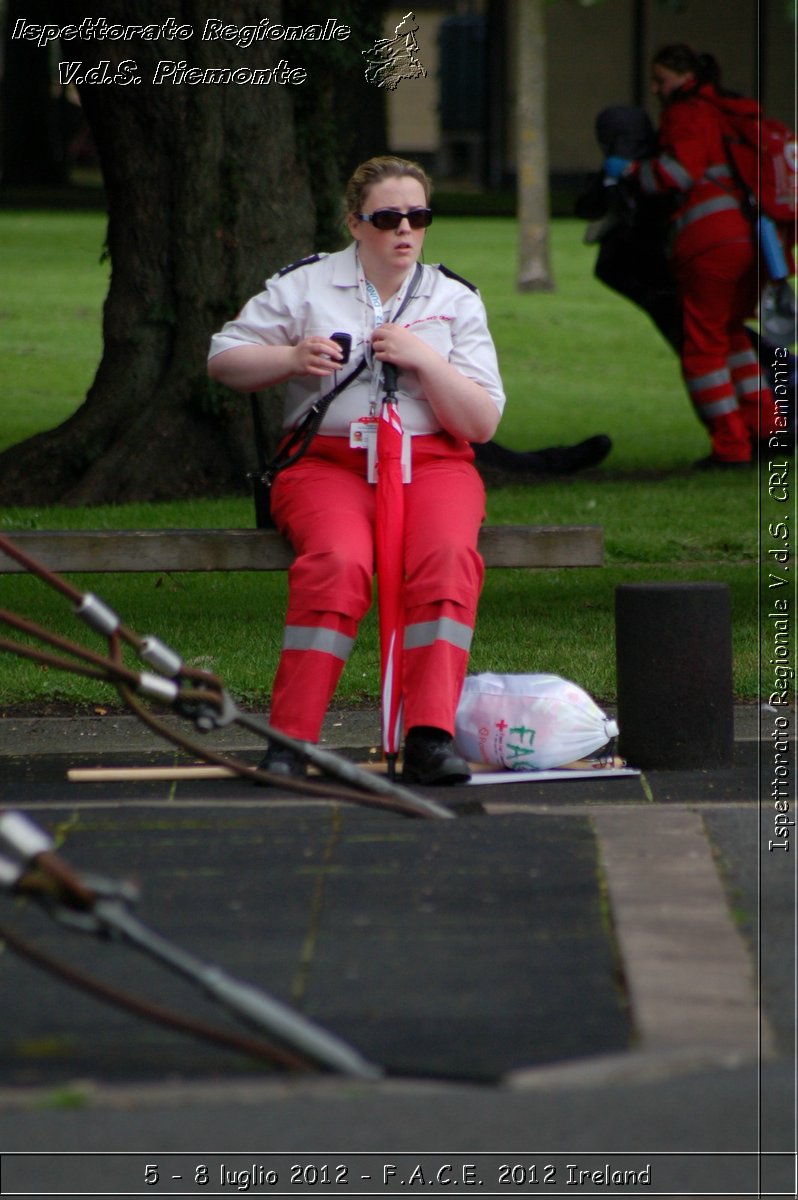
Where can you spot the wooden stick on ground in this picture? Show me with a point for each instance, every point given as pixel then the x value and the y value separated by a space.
pixel 134 774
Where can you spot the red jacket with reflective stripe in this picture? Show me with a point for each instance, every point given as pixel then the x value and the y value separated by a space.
pixel 691 152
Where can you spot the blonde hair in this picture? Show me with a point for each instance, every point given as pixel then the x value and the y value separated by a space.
pixel 375 170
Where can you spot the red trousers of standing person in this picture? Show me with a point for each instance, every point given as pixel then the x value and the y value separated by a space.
pixel 719 290
pixel 325 506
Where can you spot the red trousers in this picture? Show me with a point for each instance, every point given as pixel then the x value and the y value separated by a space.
pixel 326 508
pixel 719 290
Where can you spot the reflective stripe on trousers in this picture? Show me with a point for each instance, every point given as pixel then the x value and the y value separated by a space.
pixel 426 633
pixel 310 637
pixel 757 403
pixel 713 394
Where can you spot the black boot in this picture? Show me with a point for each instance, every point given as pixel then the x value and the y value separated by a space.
pixel 711 463
pixel 431 758
pixel 282 760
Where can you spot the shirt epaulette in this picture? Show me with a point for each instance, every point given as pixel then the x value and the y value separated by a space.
pixel 302 262
pixel 452 275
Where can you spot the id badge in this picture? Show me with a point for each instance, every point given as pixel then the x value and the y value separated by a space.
pixel 363 436
pixel 363 432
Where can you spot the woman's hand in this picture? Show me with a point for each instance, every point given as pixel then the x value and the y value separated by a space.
pixel 396 344
pixel 316 355
pixel 463 407
pixel 251 366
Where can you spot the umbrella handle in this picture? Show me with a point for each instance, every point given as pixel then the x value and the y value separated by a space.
pixel 389 378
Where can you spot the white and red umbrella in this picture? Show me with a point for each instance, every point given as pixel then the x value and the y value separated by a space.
pixel 389 541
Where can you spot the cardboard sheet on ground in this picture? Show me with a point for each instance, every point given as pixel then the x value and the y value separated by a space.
pixel 567 773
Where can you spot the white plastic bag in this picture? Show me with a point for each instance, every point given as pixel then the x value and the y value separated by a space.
pixel 528 722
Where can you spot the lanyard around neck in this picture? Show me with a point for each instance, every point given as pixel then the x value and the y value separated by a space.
pixel 374 298
pixel 376 303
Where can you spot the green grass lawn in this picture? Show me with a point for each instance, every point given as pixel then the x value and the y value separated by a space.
pixel 53 284
pixel 576 361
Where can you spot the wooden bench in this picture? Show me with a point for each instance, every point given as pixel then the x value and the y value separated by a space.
pixel 171 550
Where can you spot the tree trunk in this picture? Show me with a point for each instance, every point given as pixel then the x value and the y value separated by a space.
pixel 533 167
pixel 208 194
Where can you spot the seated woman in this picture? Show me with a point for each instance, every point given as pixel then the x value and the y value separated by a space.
pixel 449 394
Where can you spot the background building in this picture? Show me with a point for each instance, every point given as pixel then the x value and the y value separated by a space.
pixel 460 118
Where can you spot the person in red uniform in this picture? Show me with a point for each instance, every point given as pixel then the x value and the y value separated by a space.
pixel 431 326
pixel 714 254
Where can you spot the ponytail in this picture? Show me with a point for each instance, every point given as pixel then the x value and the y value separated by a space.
pixel 708 69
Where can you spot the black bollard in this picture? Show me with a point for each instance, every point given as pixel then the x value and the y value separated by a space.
pixel 674 662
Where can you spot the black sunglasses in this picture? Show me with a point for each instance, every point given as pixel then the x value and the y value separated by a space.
pixel 391 218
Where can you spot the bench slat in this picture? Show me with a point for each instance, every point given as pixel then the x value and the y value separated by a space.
pixel 171 550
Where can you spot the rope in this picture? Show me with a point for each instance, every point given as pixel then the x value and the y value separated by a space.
pixel 205 703
pixel 102 907
pixel 156 1013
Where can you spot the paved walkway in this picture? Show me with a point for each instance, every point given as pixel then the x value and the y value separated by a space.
pixel 588 987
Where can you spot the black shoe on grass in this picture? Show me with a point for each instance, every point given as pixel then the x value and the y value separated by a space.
pixel 553 460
